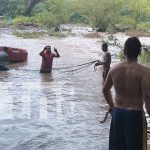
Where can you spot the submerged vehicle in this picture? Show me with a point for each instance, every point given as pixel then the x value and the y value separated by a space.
pixel 16 54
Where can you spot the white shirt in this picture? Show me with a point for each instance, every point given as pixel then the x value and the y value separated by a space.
pixel 3 56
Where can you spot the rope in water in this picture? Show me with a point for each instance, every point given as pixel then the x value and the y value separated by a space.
pixel 76 68
pixel 84 64
pixel 82 68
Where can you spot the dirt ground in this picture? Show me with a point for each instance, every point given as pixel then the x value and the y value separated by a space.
pixel 139 33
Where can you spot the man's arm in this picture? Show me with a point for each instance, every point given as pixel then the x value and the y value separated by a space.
pixel 42 52
pixel 57 55
pixel 106 90
pixel 146 90
pixel 108 60
pixel 99 63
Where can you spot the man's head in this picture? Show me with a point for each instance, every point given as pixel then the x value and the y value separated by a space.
pixel 104 47
pixel 132 47
pixel 5 49
pixel 48 49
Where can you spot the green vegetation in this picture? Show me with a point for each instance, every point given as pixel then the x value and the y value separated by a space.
pixel 105 15
pixel 35 34
pixel 145 57
pixel 58 34
pixel 26 35
pixel 21 19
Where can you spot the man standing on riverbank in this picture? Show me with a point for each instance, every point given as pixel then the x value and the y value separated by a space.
pixel 131 83
pixel 106 61
pixel 47 59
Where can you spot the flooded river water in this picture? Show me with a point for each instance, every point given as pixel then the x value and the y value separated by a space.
pixel 52 112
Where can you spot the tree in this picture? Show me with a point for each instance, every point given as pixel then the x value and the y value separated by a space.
pixel 11 8
pixel 54 13
pixel 104 13
pixel 30 5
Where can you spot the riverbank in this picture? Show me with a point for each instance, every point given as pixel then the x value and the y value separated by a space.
pixel 33 31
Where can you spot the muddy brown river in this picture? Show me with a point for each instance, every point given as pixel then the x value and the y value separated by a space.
pixel 53 112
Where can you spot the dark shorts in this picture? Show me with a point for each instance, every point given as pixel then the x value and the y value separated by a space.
pixel 126 131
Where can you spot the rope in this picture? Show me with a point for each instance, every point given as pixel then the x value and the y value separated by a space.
pixel 91 62
pixel 80 69
pixel 82 66
pixel 76 68
pixel 25 70
pixel 105 118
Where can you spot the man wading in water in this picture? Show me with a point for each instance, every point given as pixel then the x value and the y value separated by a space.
pixel 47 59
pixel 132 87
pixel 106 61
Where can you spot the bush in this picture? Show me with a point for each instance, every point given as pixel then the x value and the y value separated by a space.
pixel 21 19
pixel 120 56
pixel 111 29
pixel 78 18
pixel 57 34
pixel 144 26
pixel 145 57
pixel 128 23
pixel 48 19
pixel 4 23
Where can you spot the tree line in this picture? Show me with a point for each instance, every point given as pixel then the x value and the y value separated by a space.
pixel 105 15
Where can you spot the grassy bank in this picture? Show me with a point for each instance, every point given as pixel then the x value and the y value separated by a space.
pixel 26 35
pixel 36 34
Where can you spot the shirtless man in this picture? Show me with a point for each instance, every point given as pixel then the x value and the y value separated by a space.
pixel 132 87
pixel 106 61
pixel 47 59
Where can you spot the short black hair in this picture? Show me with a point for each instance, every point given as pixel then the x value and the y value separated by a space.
pixel 5 48
pixel 105 45
pixel 132 47
pixel 48 47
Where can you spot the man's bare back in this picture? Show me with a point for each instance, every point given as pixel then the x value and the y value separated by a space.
pixel 129 90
